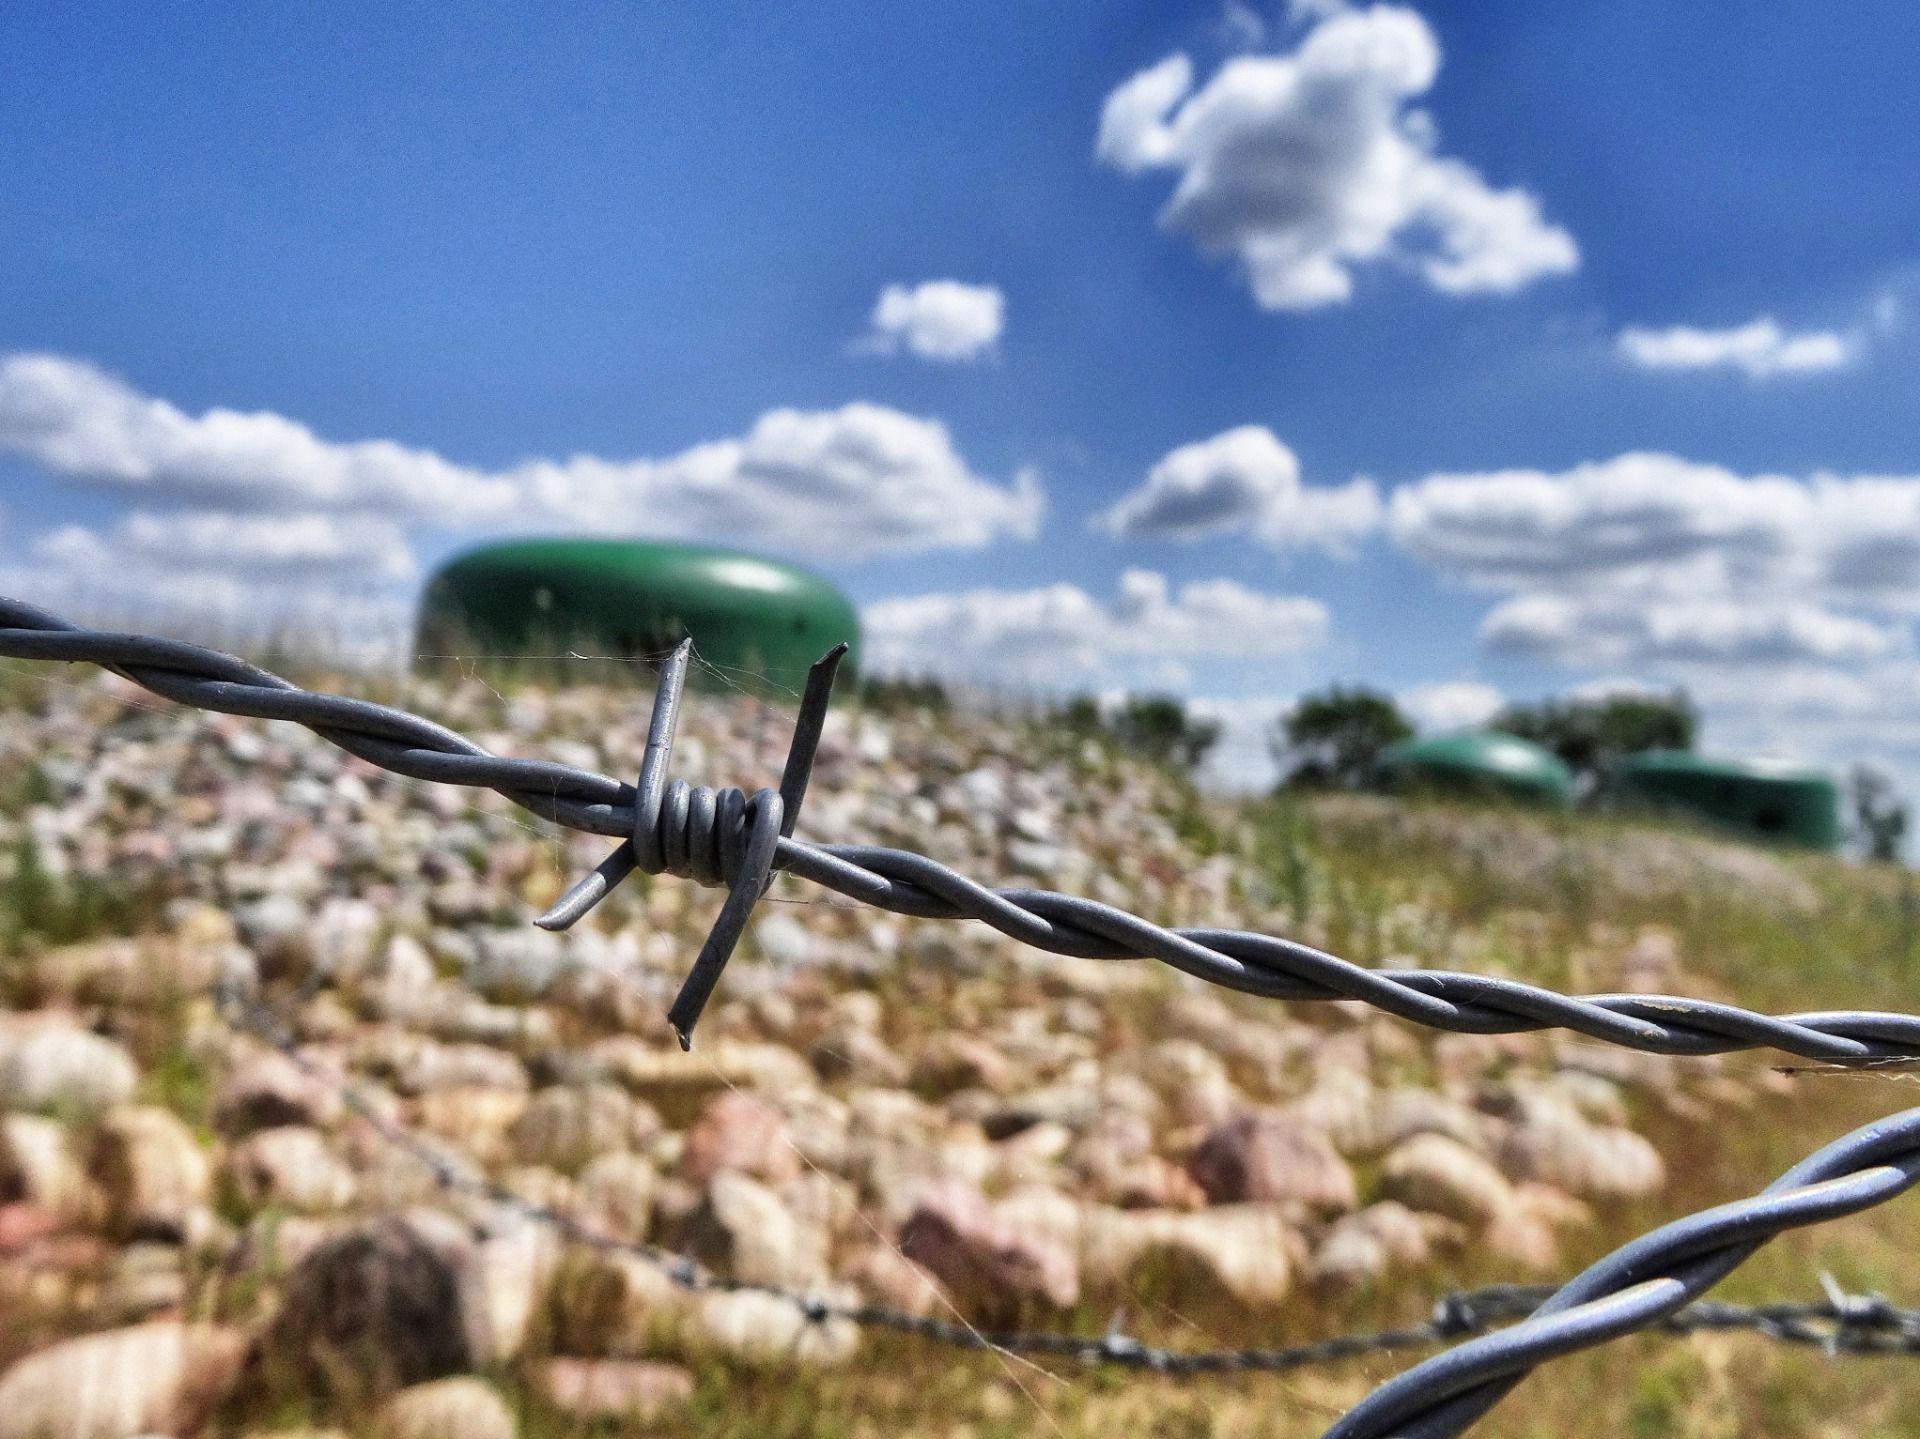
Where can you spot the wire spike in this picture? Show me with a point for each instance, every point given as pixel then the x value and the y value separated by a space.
pixel 806 734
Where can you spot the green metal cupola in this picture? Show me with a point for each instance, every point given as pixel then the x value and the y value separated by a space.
pixel 1757 799
pixel 761 621
pixel 1481 764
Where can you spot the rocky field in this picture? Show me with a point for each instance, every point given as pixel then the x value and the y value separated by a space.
pixel 305 1128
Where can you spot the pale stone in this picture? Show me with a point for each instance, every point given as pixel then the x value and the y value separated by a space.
pixel 1441 1175
pixel 744 1229
pixel 613 1196
pixel 458 1408
pixel 630 1389
pixel 37 1167
pixel 1264 1156
pixel 767 1329
pixel 164 1376
pixel 61 1068
pixel 742 1132
pixel 292 1166
pixel 955 1235
pixel 152 1170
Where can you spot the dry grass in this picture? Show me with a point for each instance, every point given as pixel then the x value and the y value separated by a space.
pixel 1775 931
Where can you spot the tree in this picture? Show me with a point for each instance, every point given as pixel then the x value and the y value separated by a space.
pixel 898 693
pixel 1159 727
pixel 1333 739
pixel 1879 813
pixel 1593 735
pixel 1080 715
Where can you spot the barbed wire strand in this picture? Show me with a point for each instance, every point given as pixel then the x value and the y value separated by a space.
pixel 725 837
pixel 720 837
pixel 1640 1283
pixel 1837 1324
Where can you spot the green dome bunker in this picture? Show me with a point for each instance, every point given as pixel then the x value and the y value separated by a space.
pixel 1769 800
pixel 761 621
pixel 1480 764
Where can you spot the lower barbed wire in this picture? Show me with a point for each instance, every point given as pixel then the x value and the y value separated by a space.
pixel 1836 1325
pixel 725 836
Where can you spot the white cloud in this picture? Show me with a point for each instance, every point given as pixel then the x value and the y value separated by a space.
pixel 1819 714
pixel 241 578
pixel 1783 605
pixel 850 483
pixel 843 484
pixel 1616 687
pixel 1760 349
pixel 1669 634
pixel 1654 524
pixel 1242 757
pixel 79 421
pixel 372 547
pixel 1060 635
pixel 937 320
pixel 1243 480
pixel 1451 704
pixel 1240 26
pixel 1307 164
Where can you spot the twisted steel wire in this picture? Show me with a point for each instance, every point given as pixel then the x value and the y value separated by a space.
pixel 717 834
pixel 1839 1324
pixel 726 837
pixel 1640 1283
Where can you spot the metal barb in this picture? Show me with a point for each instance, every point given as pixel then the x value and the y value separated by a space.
pixel 705 834
pixel 642 848
pixel 755 870
pixel 806 735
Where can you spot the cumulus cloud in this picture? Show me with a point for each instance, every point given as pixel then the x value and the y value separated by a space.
pixel 1684 633
pixel 1655 524
pixel 339 580
pixel 1784 605
pixel 1308 164
pixel 850 483
pixel 937 320
pixel 1240 26
pixel 1243 481
pixel 1819 713
pixel 1760 349
pixel 1060 635
pixel 1451 704
pixel 845 484
pixel 372 547
pixel 81 422
pixel 1242 757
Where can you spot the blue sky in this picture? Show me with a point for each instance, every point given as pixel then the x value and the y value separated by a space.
pixel 1617 385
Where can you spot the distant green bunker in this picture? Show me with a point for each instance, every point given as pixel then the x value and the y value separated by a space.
pixel 1752 799
pixel 1478 764
pixel 759 621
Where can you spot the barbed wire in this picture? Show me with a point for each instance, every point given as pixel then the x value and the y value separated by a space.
pixel 1640 1283
pixel 1838 1324
pixel 726 837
